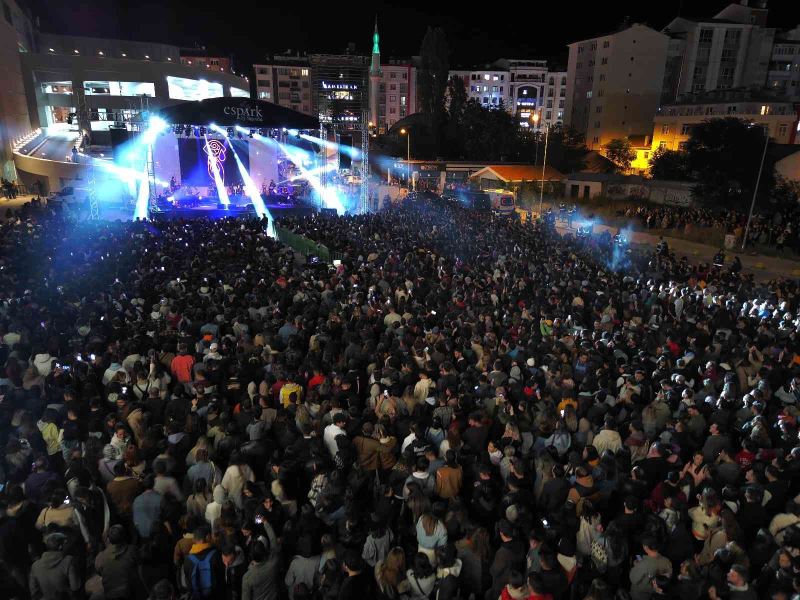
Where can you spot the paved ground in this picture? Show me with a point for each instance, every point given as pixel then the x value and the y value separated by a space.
pixel 764 267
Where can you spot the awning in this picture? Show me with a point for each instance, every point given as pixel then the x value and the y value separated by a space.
pixel 230 112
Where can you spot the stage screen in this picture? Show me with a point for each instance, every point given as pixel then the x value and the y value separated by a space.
pixel 194 159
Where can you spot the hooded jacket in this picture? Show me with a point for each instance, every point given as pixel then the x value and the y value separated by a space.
pixel 200 551
pixel 447 580
pixel 117 567
pixel 52 575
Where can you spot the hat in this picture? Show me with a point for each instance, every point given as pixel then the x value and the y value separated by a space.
pixel 204 289
pixel 530 362
pixel 214 347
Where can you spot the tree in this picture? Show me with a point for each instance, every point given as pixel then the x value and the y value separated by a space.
pixel 723 156
pixel 456 103
pixel 669 164
pixel 432 79
pixel 566 149
pixel 619 152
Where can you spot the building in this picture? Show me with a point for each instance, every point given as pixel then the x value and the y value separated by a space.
pixel 614 83
pixel 286 81
pixel 397 93
pixel 673 122
pixel 512 176
pixel 490 88
pixel 527 87
pixel 730 50
pixel 201 57
pixel 16 39
pixel 783 76
pixel 551 113
pixel 94 83
pixel 340 91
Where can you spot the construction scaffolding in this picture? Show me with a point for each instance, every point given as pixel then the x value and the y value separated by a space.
pixel 364 206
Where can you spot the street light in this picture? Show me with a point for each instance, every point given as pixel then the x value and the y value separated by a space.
pixel 408 154
pixel 755 189
pixel 535 119
pixel 544 166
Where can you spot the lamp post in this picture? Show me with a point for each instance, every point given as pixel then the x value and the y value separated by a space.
pixel 755 189
pixel 535 119
pixel 408 155
pixel 544 166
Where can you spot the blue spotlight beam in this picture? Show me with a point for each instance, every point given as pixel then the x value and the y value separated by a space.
pixel 143 198
pixel 250 187
pixel 330 198
pixel 353 153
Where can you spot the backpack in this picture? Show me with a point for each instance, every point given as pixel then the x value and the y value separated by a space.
pixel 201 580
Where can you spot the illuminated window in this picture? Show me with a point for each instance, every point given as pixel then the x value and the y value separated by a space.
pixel 765 110
pixel 239 93
pixel 57 87
pixel 304 72
pixel 486 77
pixel 664 129
pixel 119 88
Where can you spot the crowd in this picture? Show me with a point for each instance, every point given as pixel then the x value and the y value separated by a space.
pixel 778 230
pixel 461 407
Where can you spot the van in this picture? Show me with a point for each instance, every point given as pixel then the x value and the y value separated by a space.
pixel 503 202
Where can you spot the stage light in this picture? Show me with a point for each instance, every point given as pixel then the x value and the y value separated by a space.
pixel 187 130
pixel 202 131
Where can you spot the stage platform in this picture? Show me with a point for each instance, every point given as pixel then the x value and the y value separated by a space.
pixel 212 212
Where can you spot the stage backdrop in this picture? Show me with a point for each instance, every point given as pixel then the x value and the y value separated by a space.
pixel 263 164
pixel 194 159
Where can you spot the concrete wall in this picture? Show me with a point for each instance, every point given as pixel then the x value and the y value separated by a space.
pixel 54 174
pixel 14 120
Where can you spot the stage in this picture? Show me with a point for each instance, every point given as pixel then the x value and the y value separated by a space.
pixel 212 210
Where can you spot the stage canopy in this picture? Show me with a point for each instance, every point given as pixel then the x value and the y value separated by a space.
pixel 229 112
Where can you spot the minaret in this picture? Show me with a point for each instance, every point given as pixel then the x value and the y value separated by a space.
pixel 375 76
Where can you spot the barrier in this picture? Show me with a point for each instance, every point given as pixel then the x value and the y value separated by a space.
pixel 302 244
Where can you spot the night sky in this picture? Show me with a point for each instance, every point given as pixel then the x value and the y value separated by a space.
pixel 250 30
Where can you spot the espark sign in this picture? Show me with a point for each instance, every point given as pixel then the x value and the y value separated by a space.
pixel 243 113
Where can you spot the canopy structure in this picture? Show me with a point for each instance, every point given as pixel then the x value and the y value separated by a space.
pixel 231 112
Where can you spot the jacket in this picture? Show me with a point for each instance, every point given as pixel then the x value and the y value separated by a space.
pixel 117 567
pixel 53 576
pixel 368 452
pixel 233 574
pixel 448 482
pixel 301 570
pixel 261 580
pixel 200 552
pixel 643 572
pixel 510 556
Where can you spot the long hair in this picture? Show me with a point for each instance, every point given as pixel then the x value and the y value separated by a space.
pixel 429 523
pixel 392 569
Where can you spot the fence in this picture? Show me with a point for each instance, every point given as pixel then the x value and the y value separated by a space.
pixel 304 245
